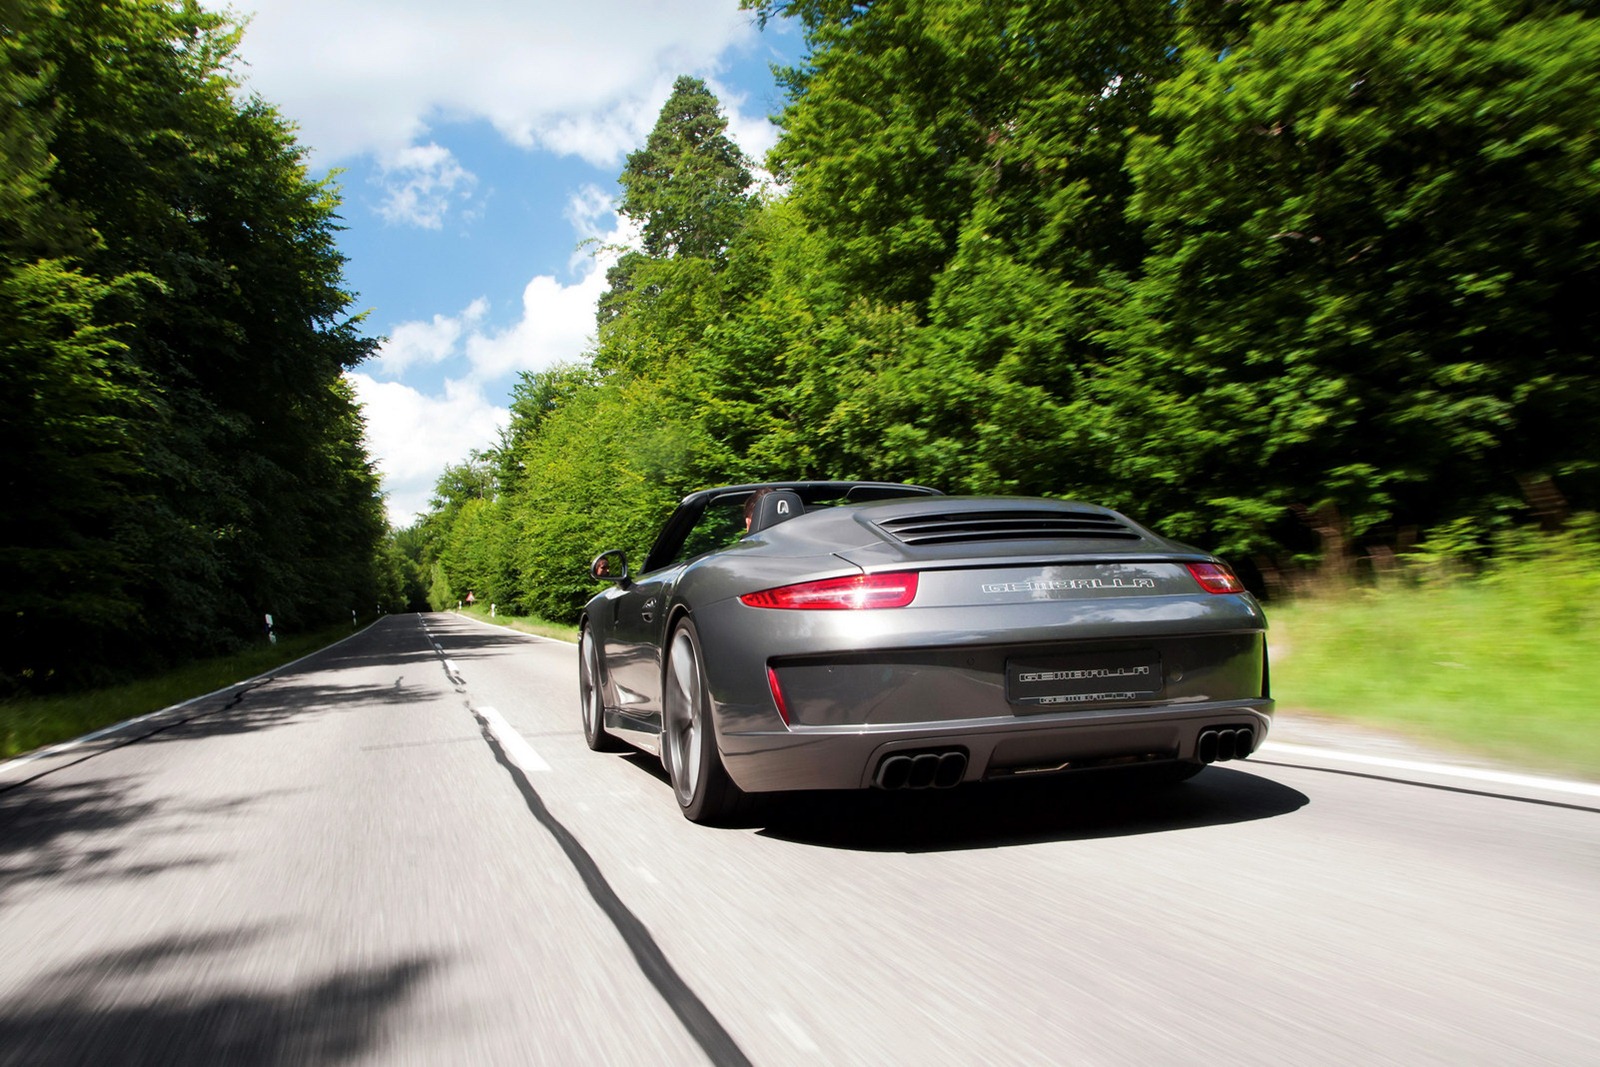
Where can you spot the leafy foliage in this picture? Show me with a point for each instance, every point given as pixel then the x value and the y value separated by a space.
pixel 1371 227
pixel 689 186
pixel 1287 280
pixel 185 455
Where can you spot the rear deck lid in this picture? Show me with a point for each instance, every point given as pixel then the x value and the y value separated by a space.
pixel 979 530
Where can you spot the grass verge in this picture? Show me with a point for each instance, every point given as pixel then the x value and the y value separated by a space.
pixel 1501 665
pixel 27 723
pixel 528 624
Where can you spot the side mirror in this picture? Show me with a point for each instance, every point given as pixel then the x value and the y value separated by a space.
pixel 610 566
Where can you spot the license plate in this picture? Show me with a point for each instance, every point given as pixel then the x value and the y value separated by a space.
pixel 1086 678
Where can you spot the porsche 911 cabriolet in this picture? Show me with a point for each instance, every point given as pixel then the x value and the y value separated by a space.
pixel 858 635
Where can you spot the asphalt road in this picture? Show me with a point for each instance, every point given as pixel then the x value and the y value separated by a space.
pixel 343 863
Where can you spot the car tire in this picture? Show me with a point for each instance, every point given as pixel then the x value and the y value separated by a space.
pixel 591 695
pixel 701 784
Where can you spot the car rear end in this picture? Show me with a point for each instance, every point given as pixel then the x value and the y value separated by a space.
pixel 965 640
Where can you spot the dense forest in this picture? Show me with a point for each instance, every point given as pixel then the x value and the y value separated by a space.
pixel 182 454
pixel 1300 282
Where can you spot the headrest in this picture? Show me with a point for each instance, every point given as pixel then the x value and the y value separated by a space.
pixel 777 506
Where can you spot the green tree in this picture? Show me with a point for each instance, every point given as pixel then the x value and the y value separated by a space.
pixel 408 556
pixel 964 161
pixel 1375 227
pixel 689 187
pixel 1242 269
pixel 174 338
pixel 610 463
pixel 879 141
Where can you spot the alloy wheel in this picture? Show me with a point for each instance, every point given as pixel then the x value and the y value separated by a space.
pixel 589 687
pixel 684 717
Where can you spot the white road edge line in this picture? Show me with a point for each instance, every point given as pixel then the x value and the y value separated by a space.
pixel 1475 774
pixel 516 749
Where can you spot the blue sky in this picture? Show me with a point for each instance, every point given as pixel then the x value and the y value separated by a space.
pixel 479 144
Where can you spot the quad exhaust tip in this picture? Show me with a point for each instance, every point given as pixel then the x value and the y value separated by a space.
pixel 921 770
pixel 1217 745
pixel 943 770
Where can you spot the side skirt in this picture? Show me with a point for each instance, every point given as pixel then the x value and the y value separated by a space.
pixel 640 731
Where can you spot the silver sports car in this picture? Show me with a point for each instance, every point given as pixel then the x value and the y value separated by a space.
pixel 850 635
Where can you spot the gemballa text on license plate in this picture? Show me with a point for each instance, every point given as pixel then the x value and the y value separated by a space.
pixel 1086 678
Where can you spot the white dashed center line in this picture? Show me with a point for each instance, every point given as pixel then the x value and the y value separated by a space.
pixel 791 1028
pixel 516 749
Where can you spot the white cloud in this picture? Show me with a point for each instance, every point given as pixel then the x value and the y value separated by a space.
pixel 420 182
pixel 372 76
pixel 379 79
pixel 414 437
pixel 593 212
pixel 413 344
pixel 590 208
pixel 557 324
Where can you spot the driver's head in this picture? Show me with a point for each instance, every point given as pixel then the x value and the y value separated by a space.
pixel 751 504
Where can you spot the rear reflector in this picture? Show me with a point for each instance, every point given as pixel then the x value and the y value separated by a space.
pixel 777 695
pixel 849 593
pixel 1216 577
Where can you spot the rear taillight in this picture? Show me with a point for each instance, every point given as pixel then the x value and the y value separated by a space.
pixel 850 593
pixel 1216 577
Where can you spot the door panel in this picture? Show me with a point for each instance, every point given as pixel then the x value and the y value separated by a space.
pixel 633 644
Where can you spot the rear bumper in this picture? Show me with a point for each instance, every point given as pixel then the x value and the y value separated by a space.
pixel 860 686
pixel 839 757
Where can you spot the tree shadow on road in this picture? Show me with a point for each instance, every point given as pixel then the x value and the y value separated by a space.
pixel 147 1005
pixel 60 829
pixel 63 833
pixel 995 815
pixel 394 650
pixel 397 644
pixel 279 702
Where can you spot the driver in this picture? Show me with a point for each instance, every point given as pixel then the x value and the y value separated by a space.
pixel 751 505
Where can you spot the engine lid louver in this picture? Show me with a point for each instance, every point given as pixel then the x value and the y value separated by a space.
pixel 945 529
